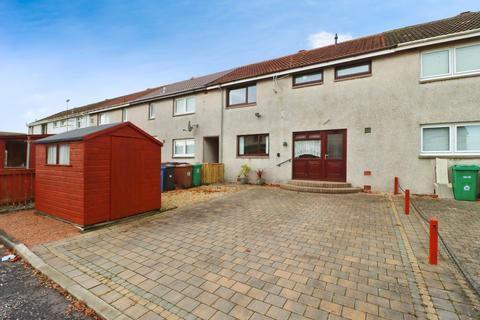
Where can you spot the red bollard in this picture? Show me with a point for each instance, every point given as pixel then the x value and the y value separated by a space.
pixel 407 201
pixel 395 186
pixel 433 255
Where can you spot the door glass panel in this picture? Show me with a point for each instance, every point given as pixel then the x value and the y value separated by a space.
pixel 308 149
pixel 335 146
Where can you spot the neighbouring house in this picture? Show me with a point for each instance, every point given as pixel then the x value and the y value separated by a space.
pixel 17 164
pixel 98 174
pixel 360 111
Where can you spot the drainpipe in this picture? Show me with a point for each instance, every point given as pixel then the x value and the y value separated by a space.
pixel 220 146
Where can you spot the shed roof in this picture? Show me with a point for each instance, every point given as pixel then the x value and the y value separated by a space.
pixel 91 132
pixel 75 135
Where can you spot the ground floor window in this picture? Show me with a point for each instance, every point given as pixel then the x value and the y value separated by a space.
pixel 58 154
pixel 253 145
pixel 459 139
pixel 184 148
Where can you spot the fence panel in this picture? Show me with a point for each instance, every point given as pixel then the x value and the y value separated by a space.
pixel 212 173
pixel 17 187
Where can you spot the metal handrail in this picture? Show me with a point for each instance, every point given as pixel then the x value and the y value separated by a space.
pixel 288 160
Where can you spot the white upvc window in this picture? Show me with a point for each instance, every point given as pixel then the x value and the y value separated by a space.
pixel 151 111
pixel 124 115
pixel 184 106
pixel 103 118
pixel 184 148
pixel 451 139
pixel 450 62
pixel 79 122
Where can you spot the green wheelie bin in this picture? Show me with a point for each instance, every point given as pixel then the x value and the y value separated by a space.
pixel 465 182
pixel 197 174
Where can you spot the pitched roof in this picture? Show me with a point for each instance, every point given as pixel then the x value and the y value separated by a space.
pixel 182 86
pixel 463 22
pixel 389 39
pixel 107 103
pixel 75 135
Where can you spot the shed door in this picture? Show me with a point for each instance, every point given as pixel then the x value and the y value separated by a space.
pixel 125 177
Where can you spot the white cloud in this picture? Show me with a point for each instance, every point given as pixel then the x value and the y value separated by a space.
pixel 324 38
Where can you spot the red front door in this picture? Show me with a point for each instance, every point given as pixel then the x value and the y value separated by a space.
pixel 320 155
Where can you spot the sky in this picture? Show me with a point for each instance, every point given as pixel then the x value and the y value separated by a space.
pixel 88 51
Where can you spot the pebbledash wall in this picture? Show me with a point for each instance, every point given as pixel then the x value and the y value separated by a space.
pixel 392 102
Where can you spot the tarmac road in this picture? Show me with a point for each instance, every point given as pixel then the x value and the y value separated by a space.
pixel 23 296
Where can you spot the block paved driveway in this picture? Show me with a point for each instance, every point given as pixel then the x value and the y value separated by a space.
pixel 261 253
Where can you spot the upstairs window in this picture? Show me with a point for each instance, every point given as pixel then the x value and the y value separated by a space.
pixel 315 77
pixel 467 59
pixel 184 106
pixel 253 145
pixel 242 96
pixel 151 111
pixel 450 62
pixel 436 63
pixel 58 154
pixel 79 122
pixel 103 118
pixel 353 70
pixel 184 148
pixel 55 124
pixel 124 115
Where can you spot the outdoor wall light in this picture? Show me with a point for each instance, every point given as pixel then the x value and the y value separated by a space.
pixel 285 143
pixel 257 114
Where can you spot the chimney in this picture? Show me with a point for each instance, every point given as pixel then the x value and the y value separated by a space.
pixel 336 38
pixel 464 13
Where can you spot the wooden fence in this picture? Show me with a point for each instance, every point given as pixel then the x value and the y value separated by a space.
pixel 212 173
pixel 17 187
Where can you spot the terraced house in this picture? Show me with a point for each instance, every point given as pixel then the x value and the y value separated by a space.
pixel 360 111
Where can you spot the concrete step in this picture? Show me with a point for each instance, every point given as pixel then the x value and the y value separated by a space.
pixel 338 190
pixel 319 184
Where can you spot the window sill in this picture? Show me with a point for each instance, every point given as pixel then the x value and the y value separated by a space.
pixel 59 165
pixel 309 84
pixel 183 157
pixel 183 114
pixel 241 105
pixel 360 76
pixel 450 156
pixel 254 157
pixel 450 77
pixel 151 118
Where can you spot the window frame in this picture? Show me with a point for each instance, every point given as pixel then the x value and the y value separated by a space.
pixel 308 83
pixel 454 49
pixel 351 65
pixel 267 154
pixel 99 118
pixel 57 154
pixel 243 104
pixel 453 138
pixel 176 114
pixel 151 111
pixel 78 120
pixel 434 126
pixel 124 114
pixel 184 155
pixel 452 63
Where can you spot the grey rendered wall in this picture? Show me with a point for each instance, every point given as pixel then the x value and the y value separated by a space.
pixel 391 101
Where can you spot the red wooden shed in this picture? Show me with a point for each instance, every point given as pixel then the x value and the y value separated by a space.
pixel 97 174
